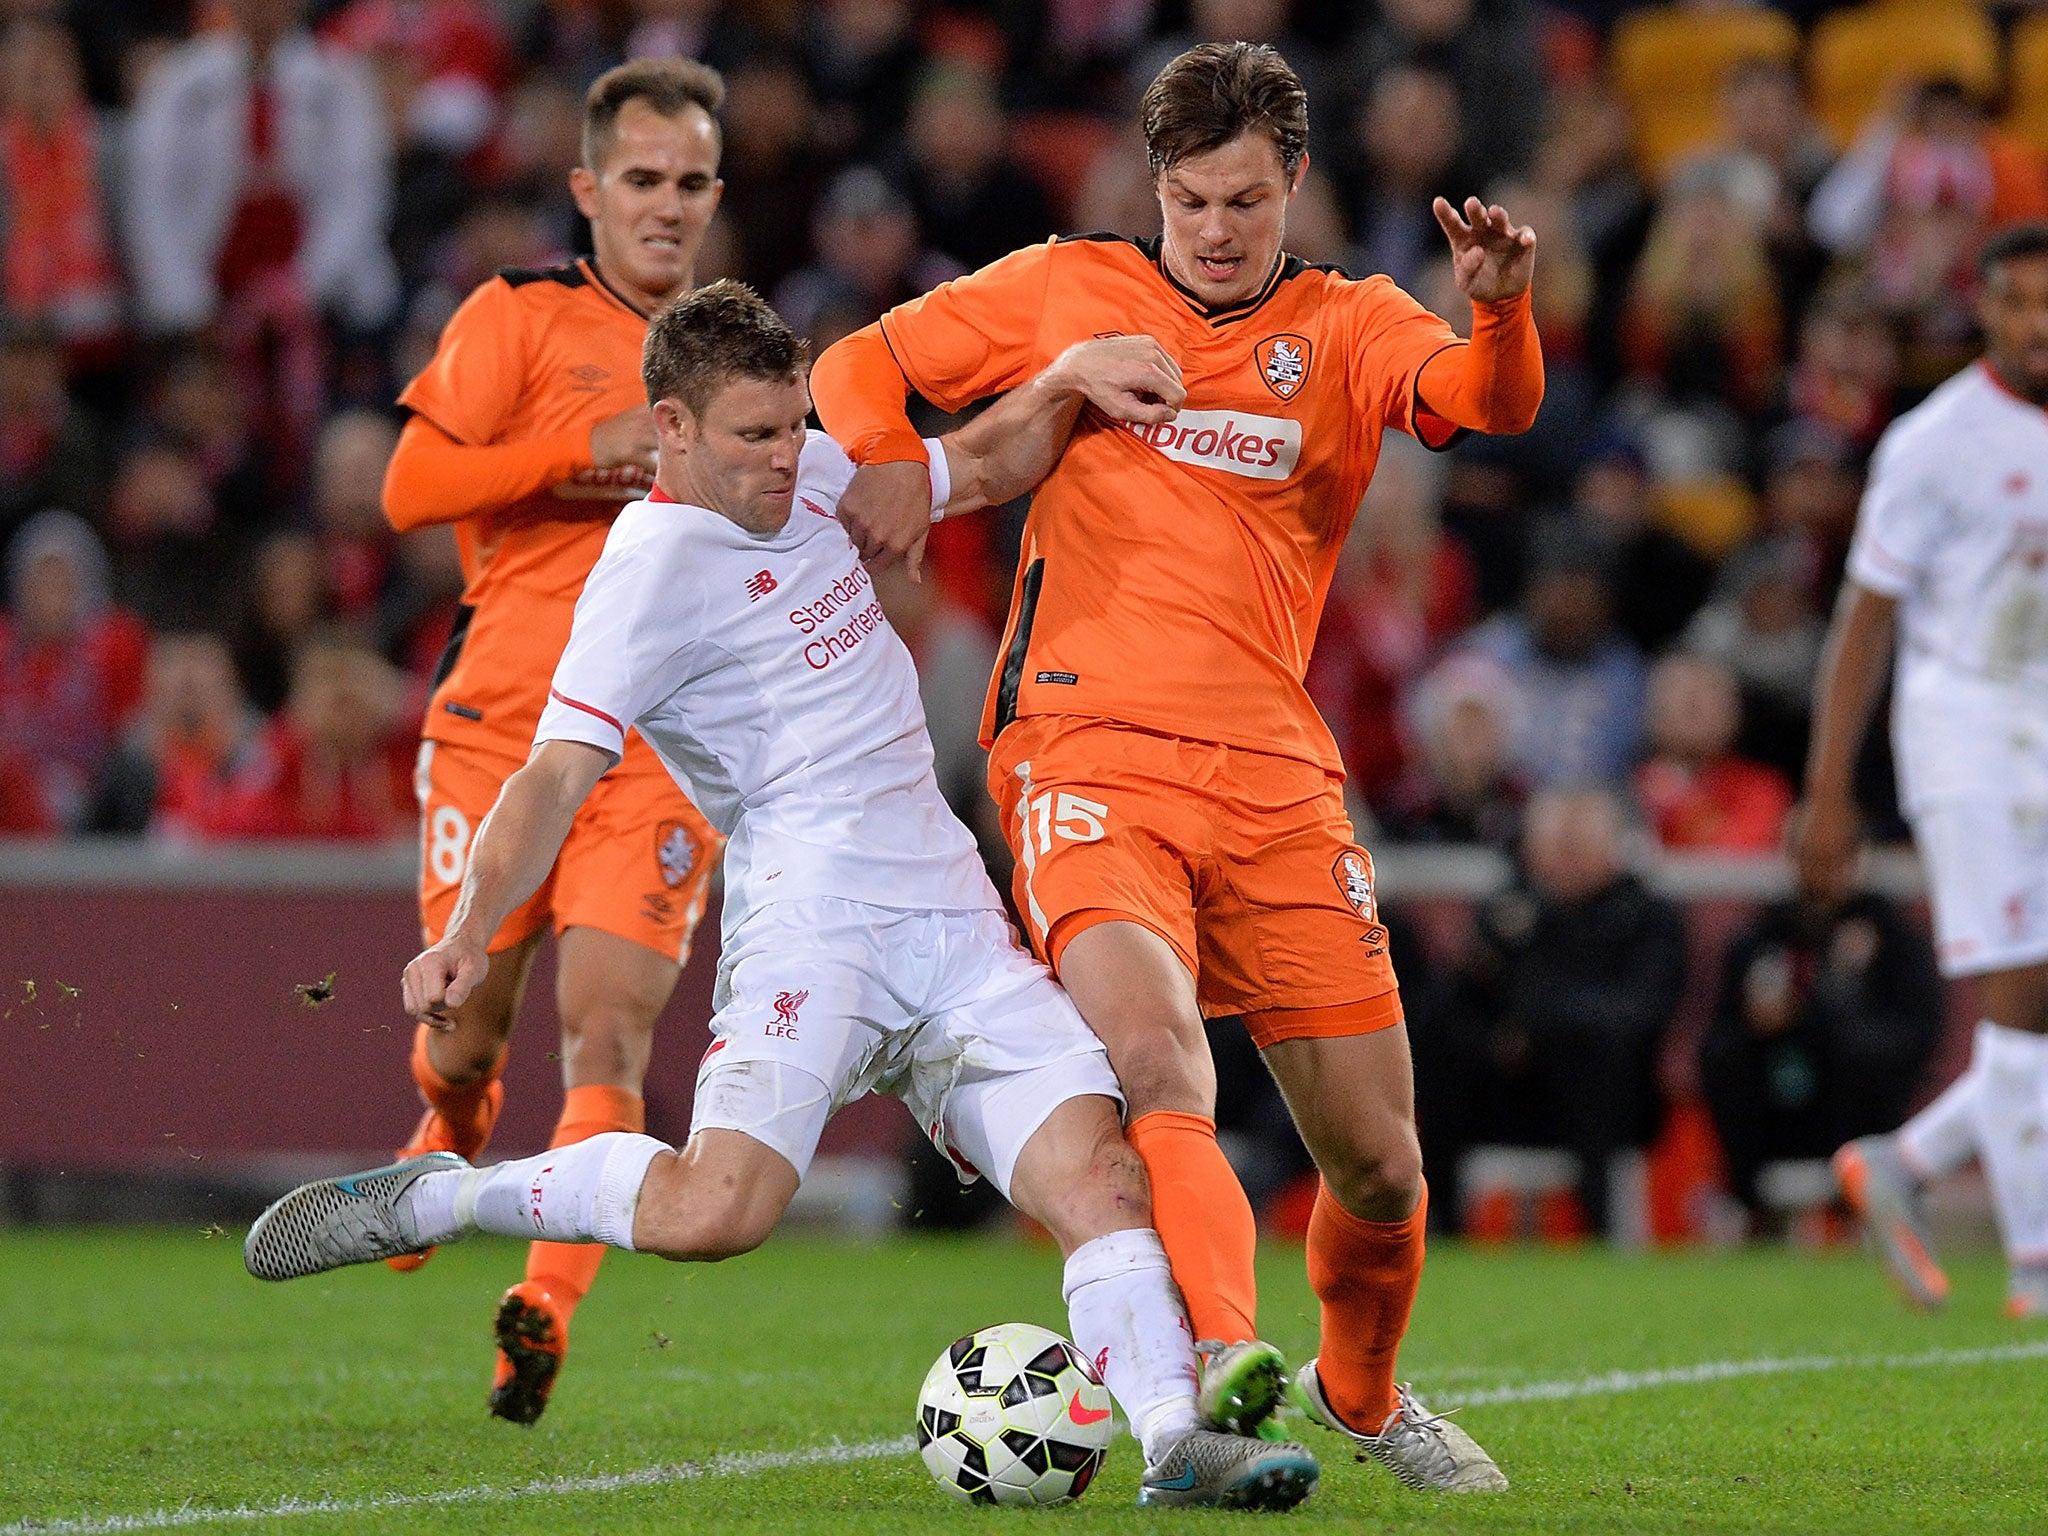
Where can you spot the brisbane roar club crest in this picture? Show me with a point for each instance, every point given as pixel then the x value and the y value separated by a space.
pixel 1283 363
pixel 1353 873
pixel 675 852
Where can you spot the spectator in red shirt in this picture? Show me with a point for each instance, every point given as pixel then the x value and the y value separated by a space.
pixel 70 672
pixel 1695 792
pixel 335 762
pixel 193 732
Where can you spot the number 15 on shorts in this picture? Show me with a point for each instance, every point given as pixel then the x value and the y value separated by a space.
pixel 1065 815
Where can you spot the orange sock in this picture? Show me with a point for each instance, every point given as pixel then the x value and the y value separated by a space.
pixel 567 1269
pixel 1365 1273
pixel 1204 1220
pixel 465 1106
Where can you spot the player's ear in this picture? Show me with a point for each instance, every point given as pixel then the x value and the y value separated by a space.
pixel 1300 174
pixel 674 424
pixel 583 187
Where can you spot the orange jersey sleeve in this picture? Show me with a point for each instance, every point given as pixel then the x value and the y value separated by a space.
pixel 1494 384
pixel 974 336
pixel 432 478
pixel 1389 339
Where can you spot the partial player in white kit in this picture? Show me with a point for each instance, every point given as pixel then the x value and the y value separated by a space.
pixel 1951 552
pixel 731 621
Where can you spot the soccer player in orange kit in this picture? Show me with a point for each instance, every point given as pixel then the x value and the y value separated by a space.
pixel 530 432
pixel 1173 799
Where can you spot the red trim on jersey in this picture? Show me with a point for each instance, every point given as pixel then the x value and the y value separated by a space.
pixel 1991 373
pixel 656 493
pixel 589 709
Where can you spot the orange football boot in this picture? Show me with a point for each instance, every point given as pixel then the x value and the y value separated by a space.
pixel 533 1340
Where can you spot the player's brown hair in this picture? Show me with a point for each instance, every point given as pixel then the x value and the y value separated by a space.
pixel 666 85
pixel 707 339
pixel 1212 93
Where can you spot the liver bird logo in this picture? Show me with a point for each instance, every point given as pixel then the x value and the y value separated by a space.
pixel 787 1004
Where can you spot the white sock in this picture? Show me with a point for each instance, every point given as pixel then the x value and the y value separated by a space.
pixel 1128 1318
pixel 2012 1135
pixel 1943 1136
pixel 586 1192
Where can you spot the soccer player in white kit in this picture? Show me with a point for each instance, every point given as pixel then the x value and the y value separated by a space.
pixel 731 621
pixel 1951 552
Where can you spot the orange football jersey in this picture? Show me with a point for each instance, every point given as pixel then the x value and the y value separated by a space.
pixel 1173 576
pixel 529 355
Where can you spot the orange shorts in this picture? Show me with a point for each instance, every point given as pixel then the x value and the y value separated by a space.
pixel 637 862
pixel 1242 861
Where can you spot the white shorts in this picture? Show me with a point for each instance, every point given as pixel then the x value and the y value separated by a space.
pixel 1987 870
pixel 821 1000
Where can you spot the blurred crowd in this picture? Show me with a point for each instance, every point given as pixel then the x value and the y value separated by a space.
pixel 1756 246
pixel 1757 227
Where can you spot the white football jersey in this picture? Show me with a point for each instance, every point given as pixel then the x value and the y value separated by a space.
pixel 1954 524
pixel 761 670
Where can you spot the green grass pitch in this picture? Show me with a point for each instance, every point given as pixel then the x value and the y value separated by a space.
pixel 146 1383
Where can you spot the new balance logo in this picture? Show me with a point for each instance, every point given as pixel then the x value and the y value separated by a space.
pixel 759 585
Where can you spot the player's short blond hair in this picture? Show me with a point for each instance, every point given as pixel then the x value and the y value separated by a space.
pixel 708 339
pixel 1212 93
pixel 667 85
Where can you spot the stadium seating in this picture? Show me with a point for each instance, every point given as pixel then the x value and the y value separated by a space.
pixel 1668 64
pixel 1858 56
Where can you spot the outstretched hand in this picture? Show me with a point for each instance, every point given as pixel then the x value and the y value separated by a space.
pixel 1492 256
pixel 440 979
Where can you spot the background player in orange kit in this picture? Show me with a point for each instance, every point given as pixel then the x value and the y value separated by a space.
pixel 1172 796
pixel 529 431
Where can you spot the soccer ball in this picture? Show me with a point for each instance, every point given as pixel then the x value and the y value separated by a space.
pixel 1013 1414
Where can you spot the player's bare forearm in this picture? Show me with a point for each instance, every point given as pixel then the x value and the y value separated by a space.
pixel 1009 447
pixel 432 478
pixel 517 843
pixel 1015 443
pixel 1859 649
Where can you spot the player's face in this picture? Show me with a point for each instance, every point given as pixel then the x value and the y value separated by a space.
pixel 1226 214
pixel 650 200
pixel 739 457
pixel 2012 306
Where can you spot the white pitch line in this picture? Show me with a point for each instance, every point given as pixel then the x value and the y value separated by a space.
pixel 749 1463
pixel 1612 1382
pixel 737 1464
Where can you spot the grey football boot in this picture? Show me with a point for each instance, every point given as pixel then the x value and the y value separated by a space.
pixel 1424 1450
pixel 1883 1192
pixel 1209 1468
pixel 357 1219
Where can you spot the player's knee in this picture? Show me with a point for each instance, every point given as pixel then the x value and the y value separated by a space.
pixel 1161 1068
pixel 1379 1178
pixel 1103 1190
pixel 607 1044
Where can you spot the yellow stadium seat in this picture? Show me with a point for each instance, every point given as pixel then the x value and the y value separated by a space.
pixel 1668 63
pixel 1856 56
pixel 2027 94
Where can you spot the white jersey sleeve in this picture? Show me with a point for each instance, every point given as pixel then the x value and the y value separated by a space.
pixel 824 464
pixel 1903 515
pixel 635 623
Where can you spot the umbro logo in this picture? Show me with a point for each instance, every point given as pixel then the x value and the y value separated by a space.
pixel 590 378
pixel 759 585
